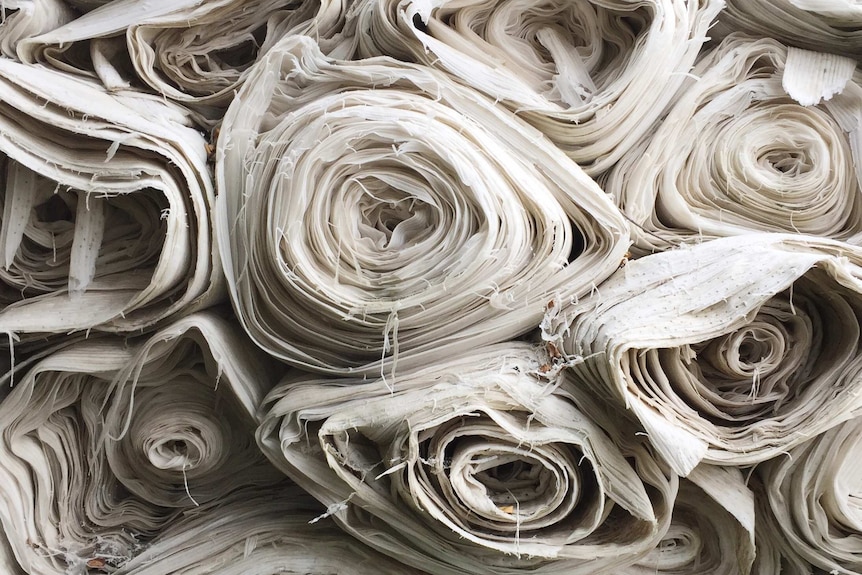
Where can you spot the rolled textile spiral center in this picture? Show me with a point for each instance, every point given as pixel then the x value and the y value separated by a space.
pixel 177 451
pixel 366 203
pixel 177 437
pixel 681 543
pixel 751 351
pixel 392 219
pixel 776 155
pixel 499 486
pixel 408 209
pixel 746 150
pixel 753 370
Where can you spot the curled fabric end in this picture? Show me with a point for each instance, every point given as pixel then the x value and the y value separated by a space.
pixel 810 77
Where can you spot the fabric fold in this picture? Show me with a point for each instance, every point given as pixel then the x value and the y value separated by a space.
pixel 24 19
pixel 258 532
pixel 575 70
pixel 106 209
pixel 809 503
pixel 711 531
pixel 825 25
pixel 195 53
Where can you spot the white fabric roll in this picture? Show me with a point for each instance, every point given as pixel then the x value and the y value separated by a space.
pixel 105 209
pixel 592 75
pixel 105 443
pixel 711 531
pixel 729 352
pixel 196 53
pixel 763 138
pixel 810 503
pixel 492 462
pixel 374 214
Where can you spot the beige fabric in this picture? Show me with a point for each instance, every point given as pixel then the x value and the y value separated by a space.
pixel 23 19
pixel 375 215
pixel 711 531
pixel 105 208
pixel 810 502
pixel 104 443
pixel 729 352
pixel 490 462
pixel 592 75
pixel 193 52
pixel 737 153
pixel 823 25
pixel 259 532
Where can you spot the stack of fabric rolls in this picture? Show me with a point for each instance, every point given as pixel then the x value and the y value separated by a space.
pixel 405 287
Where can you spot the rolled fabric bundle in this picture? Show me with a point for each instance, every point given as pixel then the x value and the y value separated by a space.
pixel 24 19
pixel 375 213
pixel 711 531
pixel 766 138
pixel 729 352
pixel 809 503
pixel 205 64
pixel 489 462
pixel 823 25
pixel 190 52
pixel 104 443
pixel 105 209
pixel 259 532
pixel 574 69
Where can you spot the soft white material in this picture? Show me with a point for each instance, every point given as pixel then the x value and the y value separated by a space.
pixel 491 462
pixel 24 19
pixel 105 208
pixel 711 531
pixel 592 75
pixel 375 215
pixel 729 352
pixel 104 443
pixel 193 52
pixel 809 500
pixel 823 25
pixel 744 148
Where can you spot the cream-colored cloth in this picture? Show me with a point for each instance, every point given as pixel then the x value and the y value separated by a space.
pixel 375 214
pixel 730 352
pixel 809 503
pixel 196 53
pixel 259 531
pixel 762 138
pixel 104 442
pixel 592 75
pixel 24 19
pixel 711 531
pixel 823 25
pixel 491 462
pixel 105 208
